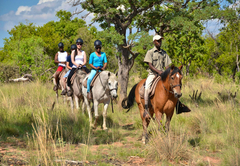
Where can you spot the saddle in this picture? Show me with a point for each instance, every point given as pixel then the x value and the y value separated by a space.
pixel 75 74
pixel 152 88
pixel 92 83
pixel 60 75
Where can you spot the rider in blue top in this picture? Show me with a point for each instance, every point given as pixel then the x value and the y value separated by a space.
pixel 98 62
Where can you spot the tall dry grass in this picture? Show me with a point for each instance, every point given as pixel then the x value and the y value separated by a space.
pixel 210 130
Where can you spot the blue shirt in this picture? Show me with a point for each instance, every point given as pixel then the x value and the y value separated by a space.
pixel 98 61
pixel 69 60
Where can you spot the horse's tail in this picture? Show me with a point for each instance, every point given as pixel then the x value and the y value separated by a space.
pixel 129 99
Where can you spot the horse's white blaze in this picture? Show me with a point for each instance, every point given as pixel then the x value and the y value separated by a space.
pixel 177 76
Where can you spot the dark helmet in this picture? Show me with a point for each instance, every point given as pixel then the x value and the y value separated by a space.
pixel 79 40
pixel 73 47
pixel 97 43
pixel 60 44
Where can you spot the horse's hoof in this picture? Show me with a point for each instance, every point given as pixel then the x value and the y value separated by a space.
pixel 144 141
pixel 105 128
pixel 92 126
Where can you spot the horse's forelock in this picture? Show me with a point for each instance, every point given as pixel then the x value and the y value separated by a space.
pixel 112 77
pixel 167 72
pixel 176 70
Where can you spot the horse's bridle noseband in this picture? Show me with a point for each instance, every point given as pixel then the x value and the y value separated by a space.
pixel 172 86
pixel 112 89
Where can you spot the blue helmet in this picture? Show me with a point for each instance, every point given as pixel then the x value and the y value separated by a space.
pixel 97 43
pixel 79 40
pixel 73 47
pixel 60 44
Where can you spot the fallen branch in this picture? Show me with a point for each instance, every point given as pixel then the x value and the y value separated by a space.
pixel 25 78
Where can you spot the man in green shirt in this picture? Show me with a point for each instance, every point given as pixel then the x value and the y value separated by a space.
pixel 157 60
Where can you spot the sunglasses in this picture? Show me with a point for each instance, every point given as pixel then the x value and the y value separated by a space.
pixel 79 43
pixel 160 40
pixel 98 48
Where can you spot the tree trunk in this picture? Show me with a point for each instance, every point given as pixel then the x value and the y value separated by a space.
pixel 123 73
pixel 234 73
pixel 237 59
pixel 187 68
pixel 124 64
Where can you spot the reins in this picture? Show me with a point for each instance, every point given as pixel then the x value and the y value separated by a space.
pixel 109 92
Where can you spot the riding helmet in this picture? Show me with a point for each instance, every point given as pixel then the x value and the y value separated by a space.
pixel 60 44
pixel 79 40
pixel 73 47
pixel 97 43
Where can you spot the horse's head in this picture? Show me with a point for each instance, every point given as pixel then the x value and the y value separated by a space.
pixel 176 80
pixel 113 85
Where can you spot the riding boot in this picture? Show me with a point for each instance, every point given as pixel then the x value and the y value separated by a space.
pixel 55 88
pixel 70 92
pixel 146 112
pixel 64 92
pixel 180 108
pixel 89 95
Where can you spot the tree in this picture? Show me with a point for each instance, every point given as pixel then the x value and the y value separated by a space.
pixel 162 16
pixel 119 14
pixel 185 47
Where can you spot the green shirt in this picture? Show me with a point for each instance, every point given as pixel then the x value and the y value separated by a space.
pixel 159 59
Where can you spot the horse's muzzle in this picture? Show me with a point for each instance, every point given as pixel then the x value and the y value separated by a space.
pixel 115 96
pixel 177 95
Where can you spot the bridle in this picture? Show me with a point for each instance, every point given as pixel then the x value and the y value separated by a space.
pixel 171 87
pixel 109 92
pixel 108 87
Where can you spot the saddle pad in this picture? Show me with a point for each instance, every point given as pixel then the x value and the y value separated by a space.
pixel 73 76
pixel 92 83
pixel 152 88
pixel 59 76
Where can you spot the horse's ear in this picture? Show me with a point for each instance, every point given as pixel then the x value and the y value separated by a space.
pixel 172 66
pixel 180 67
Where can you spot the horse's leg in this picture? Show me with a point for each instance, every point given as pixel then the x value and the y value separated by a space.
pixel 89 111
pixel 159 115
pixel 83 107
pixel 71 102
pixel 57 96
pixel 95 105
pixel 76 101
pixel 145 122
pixel 105 114
pixel 168 120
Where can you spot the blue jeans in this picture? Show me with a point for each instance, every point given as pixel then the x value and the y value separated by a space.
pixel 66 75
pixel 90 78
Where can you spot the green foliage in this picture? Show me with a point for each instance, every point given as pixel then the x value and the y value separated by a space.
pixel 185 48
pixel 8 71
pixel 32 49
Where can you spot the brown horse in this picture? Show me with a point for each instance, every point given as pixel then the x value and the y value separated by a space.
pixel 167 92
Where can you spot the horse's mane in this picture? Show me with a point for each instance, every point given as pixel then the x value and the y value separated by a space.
pixel 165 74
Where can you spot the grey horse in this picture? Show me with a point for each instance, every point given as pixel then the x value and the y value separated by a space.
pixel 105 87
pixel 77 89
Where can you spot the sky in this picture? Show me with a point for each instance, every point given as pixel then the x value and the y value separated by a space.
pixel 39 12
